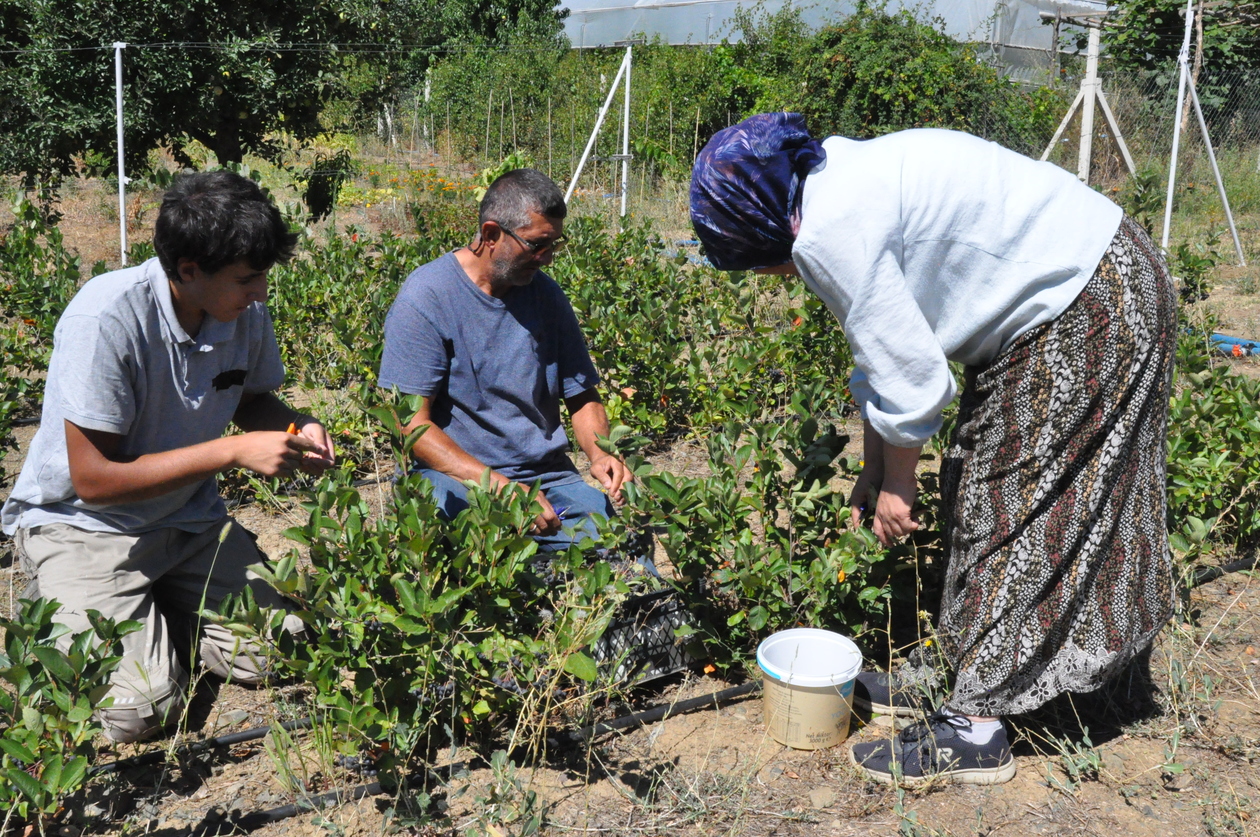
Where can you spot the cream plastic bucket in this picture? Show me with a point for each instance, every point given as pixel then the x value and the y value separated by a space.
pixel 807 686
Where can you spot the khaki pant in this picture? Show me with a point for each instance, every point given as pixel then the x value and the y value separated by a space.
pixel 162 579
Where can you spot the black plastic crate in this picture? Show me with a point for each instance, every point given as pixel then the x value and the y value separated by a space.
pixel 640 639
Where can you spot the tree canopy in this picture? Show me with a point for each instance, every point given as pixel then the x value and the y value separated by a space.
pixel 227 73
pixel 1147 35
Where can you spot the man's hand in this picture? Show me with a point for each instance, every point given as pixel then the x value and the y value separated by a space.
pixel 548 521
pixel 611 473
pixel 273 453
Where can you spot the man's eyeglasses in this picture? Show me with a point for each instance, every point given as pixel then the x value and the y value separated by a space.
pixel 536 247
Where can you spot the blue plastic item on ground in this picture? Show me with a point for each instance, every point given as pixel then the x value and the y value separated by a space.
pixel 1235 346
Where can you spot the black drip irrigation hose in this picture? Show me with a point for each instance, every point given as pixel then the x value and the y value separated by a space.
pixel 228 740
pixel 215 824
pixel 660 713
pixel 1203 575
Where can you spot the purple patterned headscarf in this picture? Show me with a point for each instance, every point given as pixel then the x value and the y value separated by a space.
pixel 746 187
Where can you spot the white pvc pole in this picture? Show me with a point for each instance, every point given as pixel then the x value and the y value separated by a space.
pixel 1089 89
pixel 1220 184
pixel 122 176
pixel 1183 60
pixel 1115 130
pixel 625 137
pixel 603 111
pixel 1076 103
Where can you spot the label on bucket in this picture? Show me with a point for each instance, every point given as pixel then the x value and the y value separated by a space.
pixel 807 719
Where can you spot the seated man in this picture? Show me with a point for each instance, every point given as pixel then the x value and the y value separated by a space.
pixel 492 344
pixel 116 508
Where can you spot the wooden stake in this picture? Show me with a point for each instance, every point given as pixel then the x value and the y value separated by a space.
pixel 485 149
pixel 643 174
pixel 512 99
pixel 695 142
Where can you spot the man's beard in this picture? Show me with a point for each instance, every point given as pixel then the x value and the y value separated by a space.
pixel 507 272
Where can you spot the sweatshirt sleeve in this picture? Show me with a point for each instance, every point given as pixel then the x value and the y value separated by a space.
pixel 851 256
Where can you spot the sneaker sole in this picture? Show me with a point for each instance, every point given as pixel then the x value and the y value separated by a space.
pixel 861 705
pixel 972 776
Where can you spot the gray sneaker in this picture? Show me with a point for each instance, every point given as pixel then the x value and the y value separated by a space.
pixel 934 751
pixel 877 693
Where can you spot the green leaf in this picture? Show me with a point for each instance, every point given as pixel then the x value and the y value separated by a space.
pixel 79 713
pixel 29 787
pixel 17 751
pixel 55 662
pixel 581 666
pixel 73 774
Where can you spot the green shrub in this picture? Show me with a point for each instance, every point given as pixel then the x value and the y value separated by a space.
pixel 47 705
pixel 1213 451
pixel 874 72
pixel 423 632
pixel 864 75
pixel 764 542
pixel 329 306
pixel 682 347
pixel 38 277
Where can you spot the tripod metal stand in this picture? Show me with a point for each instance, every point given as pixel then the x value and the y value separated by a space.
pixel 1186 81
pixel 1091 91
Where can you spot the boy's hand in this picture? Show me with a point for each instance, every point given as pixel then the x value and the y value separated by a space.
pixel 272 453
pixel 324 457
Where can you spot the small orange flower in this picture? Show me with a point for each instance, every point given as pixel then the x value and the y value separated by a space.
pixel 710 668
pixel 796 322
pixel 840 577
pixel 1237 350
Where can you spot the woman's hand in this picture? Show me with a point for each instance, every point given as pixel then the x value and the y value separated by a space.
pixel 887 486
pixel 865 492
pixel 894 518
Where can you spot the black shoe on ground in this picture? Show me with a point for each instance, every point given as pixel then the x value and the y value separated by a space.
pixel 934 751
pixel 877 693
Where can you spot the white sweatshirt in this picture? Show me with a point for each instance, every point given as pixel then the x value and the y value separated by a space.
pixel 932 245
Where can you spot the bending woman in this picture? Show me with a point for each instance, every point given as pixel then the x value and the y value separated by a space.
pixel 932 246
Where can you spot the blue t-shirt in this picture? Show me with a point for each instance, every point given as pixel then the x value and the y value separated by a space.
pixel 494 370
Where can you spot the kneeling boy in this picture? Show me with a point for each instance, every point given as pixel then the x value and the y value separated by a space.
pixel 117 508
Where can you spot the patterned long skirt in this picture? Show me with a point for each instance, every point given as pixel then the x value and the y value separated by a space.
pixel 1054 489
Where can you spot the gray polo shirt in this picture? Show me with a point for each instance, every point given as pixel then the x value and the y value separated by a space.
pixel 122 364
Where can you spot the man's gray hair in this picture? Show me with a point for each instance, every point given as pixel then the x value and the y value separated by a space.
pixel 512 197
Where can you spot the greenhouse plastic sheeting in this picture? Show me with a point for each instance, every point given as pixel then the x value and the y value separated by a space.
pixel 1013 29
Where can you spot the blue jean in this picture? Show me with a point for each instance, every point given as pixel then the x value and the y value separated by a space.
pixel 573 500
